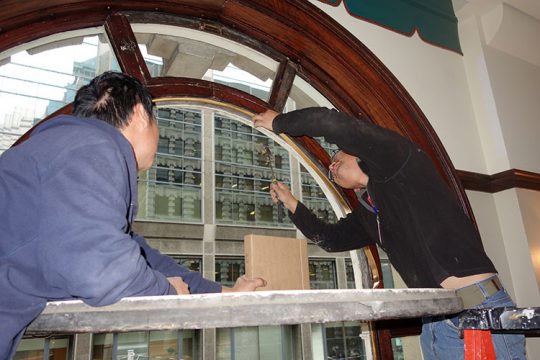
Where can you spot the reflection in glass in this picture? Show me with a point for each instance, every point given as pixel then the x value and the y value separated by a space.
pixel 102 346
pixel 247 343
pixel 193 263
pixel 388 278
pixel 228 269
pixel 304 95
pixel 132 346
pixel 57 347
pixel 38 81
pixel 314 199
pixel 322 274
pixel 171 189
pixel 162 345
pixel 397 349
pixel 243 175
pixel 209 57
pixel 344 341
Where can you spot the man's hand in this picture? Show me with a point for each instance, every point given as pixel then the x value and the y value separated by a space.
pixel 178 283
pixel 245 284
pixel 265 119
pixel 280 192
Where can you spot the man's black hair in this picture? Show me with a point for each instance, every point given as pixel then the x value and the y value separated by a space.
pixel 111 97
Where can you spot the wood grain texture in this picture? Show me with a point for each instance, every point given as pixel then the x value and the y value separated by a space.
pixel 509 179
pixel 125 47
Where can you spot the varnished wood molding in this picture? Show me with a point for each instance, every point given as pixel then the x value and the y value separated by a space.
pixel 509 179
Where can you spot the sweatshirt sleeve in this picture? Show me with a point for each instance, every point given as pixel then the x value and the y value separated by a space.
pixel 167 266
pixel 349 233
pixel 382 151
pixel 86 250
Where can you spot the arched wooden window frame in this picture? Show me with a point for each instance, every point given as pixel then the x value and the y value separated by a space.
pixel 305 41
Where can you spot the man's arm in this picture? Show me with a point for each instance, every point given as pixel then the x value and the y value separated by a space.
pixel 167 266
pixel 85 250
pixel 194 280
pixel 349 233
pixel 383 150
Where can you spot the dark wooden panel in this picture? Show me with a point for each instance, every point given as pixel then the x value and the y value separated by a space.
pixel 125 47
pixel 282 85
pixel 203 24
pixel 513 178
pixel 171 87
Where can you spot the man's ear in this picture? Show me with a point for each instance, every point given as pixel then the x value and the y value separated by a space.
pixel 139 117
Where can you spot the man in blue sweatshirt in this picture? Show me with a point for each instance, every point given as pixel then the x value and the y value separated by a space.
pixel 68 198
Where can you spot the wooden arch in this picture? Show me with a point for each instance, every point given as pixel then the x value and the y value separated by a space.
pixel 305 41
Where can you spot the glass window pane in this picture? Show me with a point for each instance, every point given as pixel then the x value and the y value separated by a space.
pixel 246 343
pixel 264 342
pixel 344 340
pixel 37 82
pixel 171 190
pixel 132 345
pixel 189 53
pixel 397 349
pixel 350 274
pixel 228 269
pixel 163 345
pixel 388 278
pixel 30 349
pixel 102 347
pixel 223 344
pixel 243 174
pixel 303 95
pixel 322 274
pixel 193 263
pixel 314 199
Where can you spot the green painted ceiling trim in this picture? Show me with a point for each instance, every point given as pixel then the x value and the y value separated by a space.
pixel 434 20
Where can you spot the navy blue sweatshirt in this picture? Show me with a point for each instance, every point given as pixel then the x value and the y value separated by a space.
pixel 68 197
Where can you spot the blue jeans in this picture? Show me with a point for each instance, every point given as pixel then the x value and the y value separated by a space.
pixel 440 335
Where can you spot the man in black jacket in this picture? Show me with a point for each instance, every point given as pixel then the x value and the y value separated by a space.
pixel 409 212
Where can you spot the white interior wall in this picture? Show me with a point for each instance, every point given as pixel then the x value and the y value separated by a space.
pixel 516 87
pixel 435 79
pixel 528 203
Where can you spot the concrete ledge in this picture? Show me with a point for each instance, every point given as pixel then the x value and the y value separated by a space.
pixel 243 309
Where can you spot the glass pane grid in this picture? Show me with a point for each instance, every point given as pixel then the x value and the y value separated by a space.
pixel 172 189
pixel 344 341
pixel 229 269
pixel 315 199
pixel 322 274
pixel 243 174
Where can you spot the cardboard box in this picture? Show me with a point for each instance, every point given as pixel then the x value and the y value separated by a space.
pixel 282 262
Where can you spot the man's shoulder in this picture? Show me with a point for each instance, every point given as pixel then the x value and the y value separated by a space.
pixel 75 129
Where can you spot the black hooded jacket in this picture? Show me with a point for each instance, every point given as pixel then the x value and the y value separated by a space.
pixel 423 229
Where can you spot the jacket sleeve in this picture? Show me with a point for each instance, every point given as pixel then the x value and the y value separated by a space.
pixel 382 151
pixel 167 266
pixel 351 232
pixel 86 249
